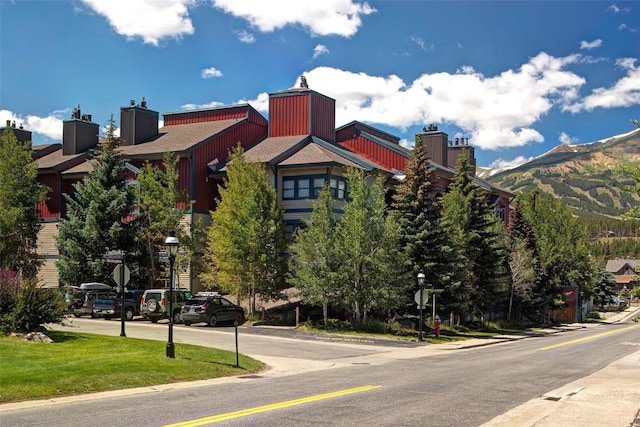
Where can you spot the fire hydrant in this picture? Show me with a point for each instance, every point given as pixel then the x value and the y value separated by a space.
pixel 436 325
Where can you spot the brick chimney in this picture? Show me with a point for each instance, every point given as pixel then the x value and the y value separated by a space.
pixel 137 123
pixel 79 133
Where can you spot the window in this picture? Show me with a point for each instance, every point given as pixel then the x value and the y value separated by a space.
pixel 310 187
pixel 338 188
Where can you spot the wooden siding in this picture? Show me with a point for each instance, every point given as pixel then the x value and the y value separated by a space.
pixel 352 131
pixel 181 118
pixel 323 118
pixel 47 248
pixel 204 191
pixel 50 207
pixel 289 115
pixel 375 152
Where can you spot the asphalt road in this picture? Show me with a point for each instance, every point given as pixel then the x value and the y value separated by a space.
pixel 346 383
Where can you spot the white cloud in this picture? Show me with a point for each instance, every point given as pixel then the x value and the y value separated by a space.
pixel 320 50
pixel 590 45
pixel 423 45
pixel 212 104
pixel 623 93
pixel 245 37
pixel 565 138
pixel 623 27
pixel 496 112
pixel 50 126
pixel 152 20
pixel 260 103
pixel 211 72
pixel 615 9
pixel 320 18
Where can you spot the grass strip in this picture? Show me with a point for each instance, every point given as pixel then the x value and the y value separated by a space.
pixel 78 363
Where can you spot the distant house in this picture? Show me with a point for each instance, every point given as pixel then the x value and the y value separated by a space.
pixel 299 144
pixel 624 270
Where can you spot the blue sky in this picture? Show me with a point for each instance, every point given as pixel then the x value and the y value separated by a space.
pixel 515 77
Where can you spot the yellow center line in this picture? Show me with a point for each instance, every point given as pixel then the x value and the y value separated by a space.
pixel 274 406
pixel 588 338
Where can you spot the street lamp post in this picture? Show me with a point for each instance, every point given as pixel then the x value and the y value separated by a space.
pixel 421 279
pixel 171 243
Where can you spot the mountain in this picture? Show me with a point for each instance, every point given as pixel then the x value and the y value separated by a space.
pixel 587 177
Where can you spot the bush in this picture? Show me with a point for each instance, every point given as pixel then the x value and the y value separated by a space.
pixel 33 307
pixel 593 315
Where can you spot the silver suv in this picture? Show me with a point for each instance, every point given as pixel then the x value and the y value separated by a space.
pixel 154 304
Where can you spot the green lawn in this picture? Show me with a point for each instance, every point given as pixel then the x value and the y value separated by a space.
pixel 85 363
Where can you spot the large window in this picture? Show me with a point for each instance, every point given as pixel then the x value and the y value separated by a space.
pixel 308 187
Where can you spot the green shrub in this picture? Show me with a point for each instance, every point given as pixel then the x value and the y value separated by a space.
pixel 33 308
pixel 593 315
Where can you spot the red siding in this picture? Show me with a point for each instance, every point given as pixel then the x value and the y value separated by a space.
pixel 352 130
pixel 375 152
pixel 289 115
pixel 323 118
pixel 50 208
pixel 182 118
pixel 217 148
pixel 67 188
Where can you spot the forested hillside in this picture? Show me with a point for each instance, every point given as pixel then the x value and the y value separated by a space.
pixel 592 180
pixel 589 178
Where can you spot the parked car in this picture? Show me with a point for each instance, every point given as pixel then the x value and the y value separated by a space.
pixel 154 304
pixel 88 302
pixel 109 308
pixel 211 309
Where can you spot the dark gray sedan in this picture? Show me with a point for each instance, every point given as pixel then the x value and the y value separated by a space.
pixel 211 310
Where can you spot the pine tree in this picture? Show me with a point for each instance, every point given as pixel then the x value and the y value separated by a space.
pixel 604 288
pixel 98 213
pixel 472 222
pixel 20 193
pixel 424 240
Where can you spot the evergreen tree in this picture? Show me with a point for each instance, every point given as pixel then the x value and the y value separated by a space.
pixel 245 242
pixel 98 218
pixel 20 193
pixel 315 264
pixel 604 288
pixel 474 225
pixel 424 241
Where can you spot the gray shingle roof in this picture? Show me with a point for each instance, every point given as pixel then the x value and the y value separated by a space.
pixel 621 265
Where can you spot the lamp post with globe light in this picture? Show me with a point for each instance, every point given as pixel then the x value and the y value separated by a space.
pixel 171 244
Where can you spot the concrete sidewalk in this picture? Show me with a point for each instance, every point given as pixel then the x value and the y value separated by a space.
pixel 609 397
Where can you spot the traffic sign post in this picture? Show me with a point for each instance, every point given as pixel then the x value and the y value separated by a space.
pixel 120 273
